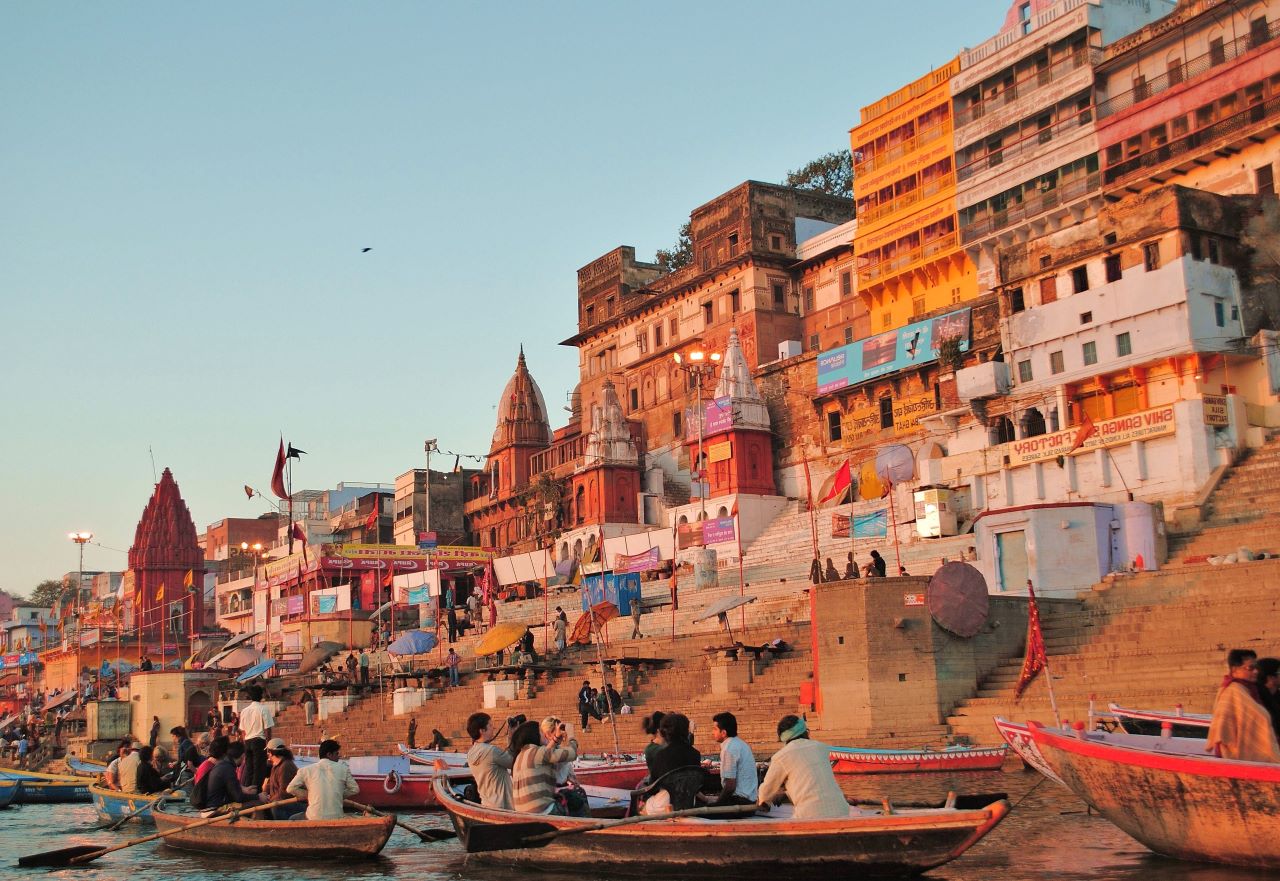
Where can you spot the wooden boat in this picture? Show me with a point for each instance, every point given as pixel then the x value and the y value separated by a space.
pixel 38 788
pixel 113 805
pixel 353 837
pixel 611 772
pixel 8 792
pixel 1152 721
pixel 84 767
pixel 851 760
pixel 1019 738
pixel 1188 806
pixel 876 842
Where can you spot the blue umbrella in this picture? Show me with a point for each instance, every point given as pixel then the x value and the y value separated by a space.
pixel 413 642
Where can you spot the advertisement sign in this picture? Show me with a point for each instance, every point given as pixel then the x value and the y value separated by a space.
pixel 418 595
pixel 428 539
pixel 895 350
pixel 295 605
pixel 720 452
pixel 1107 433
pixel 873 525
pixel 860 424
pixel 913 599
pixel 718 530
pixel 907 412
pixel 650 559
pixel 619 589
pixel 717 416
pixel 1215 410
pixel 688 535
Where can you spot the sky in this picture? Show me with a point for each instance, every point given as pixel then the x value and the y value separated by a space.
pixel 186 190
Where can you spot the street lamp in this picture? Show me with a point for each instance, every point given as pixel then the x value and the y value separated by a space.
pixel 429 446
pixel 82 539
pixel 699 364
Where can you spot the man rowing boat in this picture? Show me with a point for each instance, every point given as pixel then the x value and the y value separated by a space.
pixel 325 784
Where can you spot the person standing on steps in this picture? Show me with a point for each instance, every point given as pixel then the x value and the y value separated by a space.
pixel 352 666
pixel 561 627
pixel 364 667
pixel 586 705
pixel 636 611
pixel 452 660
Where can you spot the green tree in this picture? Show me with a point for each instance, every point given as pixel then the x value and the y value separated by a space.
pixel 831 173
pixel 680 254
pixel 46 593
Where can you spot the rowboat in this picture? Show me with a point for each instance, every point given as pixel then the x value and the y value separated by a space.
pixel 620 772
pixel 8 792
pixel 349 838
pixel 37 788
pixel 1151 721
pixel 1019 738
pixel 897 842
pixel 851 760
pixel 1188 806
pixel 113 805
pixel 85 767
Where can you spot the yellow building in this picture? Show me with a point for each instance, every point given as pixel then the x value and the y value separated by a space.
pixel 907 247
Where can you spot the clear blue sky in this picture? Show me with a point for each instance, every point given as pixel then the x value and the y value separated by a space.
pixel 186 189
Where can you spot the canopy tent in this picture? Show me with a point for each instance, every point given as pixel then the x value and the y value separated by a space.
pixel 601 612
pixel 239 658
pixel 317 655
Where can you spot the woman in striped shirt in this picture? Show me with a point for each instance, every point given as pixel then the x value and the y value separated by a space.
pixel 534 774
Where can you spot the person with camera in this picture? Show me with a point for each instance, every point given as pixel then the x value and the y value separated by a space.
pixel 537 757
pixel 490 765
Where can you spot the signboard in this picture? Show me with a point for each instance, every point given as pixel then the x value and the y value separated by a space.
pixel 719 530
pixel 860 424
pixel 873 525
pixel 908 346
pixel 717 417
pixel 418 595
pixel 907 412
pixel 1107 433
pixel 720 452
pixel 295 605
pixel 650 559
pixel 620 589
pixel 913 599
pixel 1215 410
pixel 428 539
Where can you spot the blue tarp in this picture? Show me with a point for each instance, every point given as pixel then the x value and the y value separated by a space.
pixel 414 642
pixel 621 590
pixel 256 670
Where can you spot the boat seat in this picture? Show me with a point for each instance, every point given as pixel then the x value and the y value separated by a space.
pixel 682 784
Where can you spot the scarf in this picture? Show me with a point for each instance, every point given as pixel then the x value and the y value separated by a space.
pixel 794 731
pixel 1250 687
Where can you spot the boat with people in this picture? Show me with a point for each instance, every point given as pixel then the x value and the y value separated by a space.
pixel 79 767
pixel 113 805
pixel 352 837
pixel 1151 722
pixel 1191 806
pixel 854 760
pixel 880 841
pixel 619 772
pixel 38 788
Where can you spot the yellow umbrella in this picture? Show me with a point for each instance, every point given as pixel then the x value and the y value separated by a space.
pixel 500 637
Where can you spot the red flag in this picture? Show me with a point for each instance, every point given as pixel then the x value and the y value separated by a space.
pixel 277 476
pixel 1036 658
pixel 371 522
pixel 248 491
pixel 299 534
pixel 840 482
pixel 1087 430
pixel 389 578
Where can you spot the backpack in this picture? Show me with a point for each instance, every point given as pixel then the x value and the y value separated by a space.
pixel 200 793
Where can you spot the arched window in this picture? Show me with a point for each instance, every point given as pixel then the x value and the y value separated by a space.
pixel 1032 423
pixel 1002 431
pixel 580 505
pixel 723 512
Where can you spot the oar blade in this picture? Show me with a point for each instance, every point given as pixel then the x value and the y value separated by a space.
pixel 483 837
pixel 433 835
pixel 61 857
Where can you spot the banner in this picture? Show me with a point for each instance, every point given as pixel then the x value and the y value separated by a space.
pixel 620 589
pixel 908 411
pixel 650 559
pixel 323 605
pixel 295 605
pixel 908 346
pixel 718 530
pixel 720 452
pixel 873 525
pixel 860 424
pixel 1107 433
pixel 688 535
pixel 418 596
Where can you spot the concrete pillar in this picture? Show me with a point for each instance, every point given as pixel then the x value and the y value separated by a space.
pixel 1037 474
pixel 1139 449
pixel 1104 466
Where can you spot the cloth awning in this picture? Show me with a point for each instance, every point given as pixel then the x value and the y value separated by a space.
pixel 59 700
pixel 10 679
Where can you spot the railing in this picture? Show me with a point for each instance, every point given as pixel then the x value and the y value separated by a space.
pixel 560 454
pixel 1189 70
pixel 1195 142
pixel 1030 207
pixel 1017 148
pixel 900 149
pixel 903 259
pixel 1032 82
pixel 908 199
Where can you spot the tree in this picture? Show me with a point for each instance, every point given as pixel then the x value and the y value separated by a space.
pixel 46 593
pixel 831 173
pixel 680 254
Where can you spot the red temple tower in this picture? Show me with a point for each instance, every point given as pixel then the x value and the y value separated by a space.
pixel 165 548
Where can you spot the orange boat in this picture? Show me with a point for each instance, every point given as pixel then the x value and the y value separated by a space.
pixel 354 837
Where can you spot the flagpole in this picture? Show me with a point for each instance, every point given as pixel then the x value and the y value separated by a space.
pixel 742 585
pixel 893 510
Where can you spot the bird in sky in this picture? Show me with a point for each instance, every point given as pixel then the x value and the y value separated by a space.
pixel 365 250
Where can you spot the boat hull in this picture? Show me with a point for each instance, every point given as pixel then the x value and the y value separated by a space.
pixel 112 805
pixel 870 844
pixel 1019 738
pixel 1188 807
pixel 8 792
pixel 845 760
pixel 84 768
pixel 35 792
pixel 355 838
pixel 1150 722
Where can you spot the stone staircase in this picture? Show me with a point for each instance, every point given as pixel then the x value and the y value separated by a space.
pixel 1244 510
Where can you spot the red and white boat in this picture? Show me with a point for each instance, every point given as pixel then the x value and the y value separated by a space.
pixel 1018 736
pixel 1152 721
pixel 852 760
pixel 617 772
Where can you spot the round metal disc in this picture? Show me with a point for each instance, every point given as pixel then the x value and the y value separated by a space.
pixel 958 599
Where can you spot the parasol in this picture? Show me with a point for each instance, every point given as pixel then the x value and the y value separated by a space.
pixel 239 658
pixel 602 612
pixel 500 637
pixel 721 609
pixel 413 642
pixel 317 655
pixel 256 670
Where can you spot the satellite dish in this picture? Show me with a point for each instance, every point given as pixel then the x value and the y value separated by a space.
pixel 958 599
pixel 895 464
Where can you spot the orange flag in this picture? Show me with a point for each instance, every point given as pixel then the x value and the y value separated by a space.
pixel 1087 430
pixel 160 593
pixel 1036 658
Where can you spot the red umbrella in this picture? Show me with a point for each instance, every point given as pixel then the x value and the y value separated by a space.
pixel 602 612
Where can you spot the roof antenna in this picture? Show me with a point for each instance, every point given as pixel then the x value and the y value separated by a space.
pixel 154 479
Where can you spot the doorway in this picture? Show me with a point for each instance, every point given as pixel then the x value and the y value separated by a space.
pixel 1011 559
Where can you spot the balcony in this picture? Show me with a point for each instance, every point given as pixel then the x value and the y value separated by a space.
pixel 1030 207
pixel 1029 84
pixel 901 149
pixel 901 260
pixel 567 453
pixel 981 381
pixel 906 200
pixel 1189 149
pixel 1020 150
pixel 1189 70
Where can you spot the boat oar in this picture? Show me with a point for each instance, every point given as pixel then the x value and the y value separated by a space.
pixel 483 837
pixel 84 853
pixel 424 834
pixel 177 784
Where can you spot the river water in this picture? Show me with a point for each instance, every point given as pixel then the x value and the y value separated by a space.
pixel 1049 835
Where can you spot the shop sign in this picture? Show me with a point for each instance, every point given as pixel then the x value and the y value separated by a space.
pixel 885 353
pixel 907 412
pixel 913 599
pixel 860 424
pixel 1107 433
pixel 1215 410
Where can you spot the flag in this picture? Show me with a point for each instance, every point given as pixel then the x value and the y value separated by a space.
pixel 840 482
pixel 390 577
pixel 189 579
pixel 675 598
pixel 371 522
pixel 295 453
pixel 1087 430
pixel 160 593
pixel 277 475
pixel 299 534
pixel 248 491
pixel 1035 660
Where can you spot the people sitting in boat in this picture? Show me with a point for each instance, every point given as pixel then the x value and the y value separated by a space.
pixel 281 772
pixel 650 725
pixel 677 751
pixel 223 787
pixel 1269 689
pixel 534 770
pixel 325 784
pixel 187 757
pixel 128 768
pixel 148 776
pixel 111 776
pixel 217 752
pixel 1241 726
pixel 739 784
pixel 801 770
pixel 490 764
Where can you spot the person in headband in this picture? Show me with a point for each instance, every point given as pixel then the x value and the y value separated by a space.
pixel 801 771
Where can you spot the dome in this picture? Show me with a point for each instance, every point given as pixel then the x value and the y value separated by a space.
pixel 522 412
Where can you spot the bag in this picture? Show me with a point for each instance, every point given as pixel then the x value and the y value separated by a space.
pixel 574 800
pixel 200 793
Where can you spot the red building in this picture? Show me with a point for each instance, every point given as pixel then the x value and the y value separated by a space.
pixel 165 549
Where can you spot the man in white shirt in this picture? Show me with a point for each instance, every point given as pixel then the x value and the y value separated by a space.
pixel 111 777
pixel 490 765
pixel 801 770
pixel 324 784
pixel 738 780
pixel 256 722
pixel 127 772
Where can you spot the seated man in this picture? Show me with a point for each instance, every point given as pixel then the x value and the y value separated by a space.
pixel 1241 727
pixel 801 770
pixel 739 784
pixel 326 784
pixel 224 783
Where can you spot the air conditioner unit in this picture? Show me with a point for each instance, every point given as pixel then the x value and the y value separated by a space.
pixel 789 349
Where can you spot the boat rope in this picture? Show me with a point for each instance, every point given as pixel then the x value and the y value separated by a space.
pixel 1027 794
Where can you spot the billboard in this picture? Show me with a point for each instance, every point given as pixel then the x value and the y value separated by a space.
pixel 889 352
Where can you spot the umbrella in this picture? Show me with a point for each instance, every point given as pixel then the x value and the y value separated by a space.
pixel 317 655
pixel 239 658
pixel 413 642
pixel 602 612
pixel 721 609
pixel 256 670
pixel 500 637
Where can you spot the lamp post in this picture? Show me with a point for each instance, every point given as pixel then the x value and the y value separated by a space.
pixel 429 446
pixel 698 364
pixel 81 539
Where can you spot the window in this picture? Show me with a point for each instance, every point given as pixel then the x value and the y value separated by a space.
pixel 1151 256
pixel 1080 279
pixel 808 299
pixel 1220 313
pixel 1217 52
pixel 635 398
pixel 779 295
pixel 775 242
pixel 1090 352
pixel 591 315
pixel 1257 32
pixel 708 313
pixel 846 283
pixel 675 423
pixel 1197 251
pixel 674 325
pixel 886 411
pixel 735 302
pixel 1123 345
pixel 833 425
pixel 917 306
pixel 1112 266
pixel 733 244
pixel 1055 363
pixel 1265 180
pixel 642 340
pixel 1214 256
pixel 1086 317
pixel 608 307
pixel 657 335
pixel 1024 371
pixel 1048 289
pixel 813 343
pixel 1174 71
pixel 1016 302
pixel 848 334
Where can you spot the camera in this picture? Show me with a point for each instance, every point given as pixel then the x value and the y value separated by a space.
pixel 517 720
